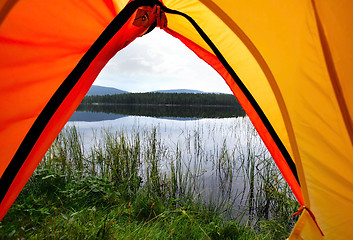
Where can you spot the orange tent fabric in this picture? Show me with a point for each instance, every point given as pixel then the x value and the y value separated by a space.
pixel 288 63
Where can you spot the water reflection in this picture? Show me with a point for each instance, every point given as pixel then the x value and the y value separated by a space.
pixel 79 116
pixel 222 160
pixel 171 111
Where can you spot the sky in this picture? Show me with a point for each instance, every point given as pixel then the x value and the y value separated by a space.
pixel 158 61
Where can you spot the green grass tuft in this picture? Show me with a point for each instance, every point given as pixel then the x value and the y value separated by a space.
pixel 118 191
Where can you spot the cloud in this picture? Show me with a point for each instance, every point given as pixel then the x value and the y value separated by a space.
pixel 159 61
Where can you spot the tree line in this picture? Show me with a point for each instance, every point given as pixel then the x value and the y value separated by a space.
pixel 199 111
pixel 178 99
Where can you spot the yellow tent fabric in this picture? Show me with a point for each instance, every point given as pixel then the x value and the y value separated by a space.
pixel 294 57
pixel 304 51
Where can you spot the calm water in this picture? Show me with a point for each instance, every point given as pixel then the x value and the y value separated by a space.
pixel 218 153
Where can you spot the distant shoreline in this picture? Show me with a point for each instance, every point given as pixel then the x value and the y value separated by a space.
pixel 164 99
pixel 154 105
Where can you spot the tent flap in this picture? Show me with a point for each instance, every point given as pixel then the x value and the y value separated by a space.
pixel 47 122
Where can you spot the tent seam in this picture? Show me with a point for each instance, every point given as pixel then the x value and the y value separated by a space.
pixel 271 79
pixel 331 69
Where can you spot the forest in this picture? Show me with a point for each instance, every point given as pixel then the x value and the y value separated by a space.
pixel 154 98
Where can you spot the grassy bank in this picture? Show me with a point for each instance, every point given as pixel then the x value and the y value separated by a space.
pixel 118 190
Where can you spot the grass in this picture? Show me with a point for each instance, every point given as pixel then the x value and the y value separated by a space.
pixel 118 190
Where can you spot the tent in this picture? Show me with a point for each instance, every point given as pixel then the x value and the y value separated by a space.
pixel 287 62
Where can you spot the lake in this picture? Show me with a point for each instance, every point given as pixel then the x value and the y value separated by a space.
pixel 223 160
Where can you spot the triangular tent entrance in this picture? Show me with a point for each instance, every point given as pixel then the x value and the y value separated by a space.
pixel 288 63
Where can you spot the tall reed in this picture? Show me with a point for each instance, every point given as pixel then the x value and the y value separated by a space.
pixel 235 177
